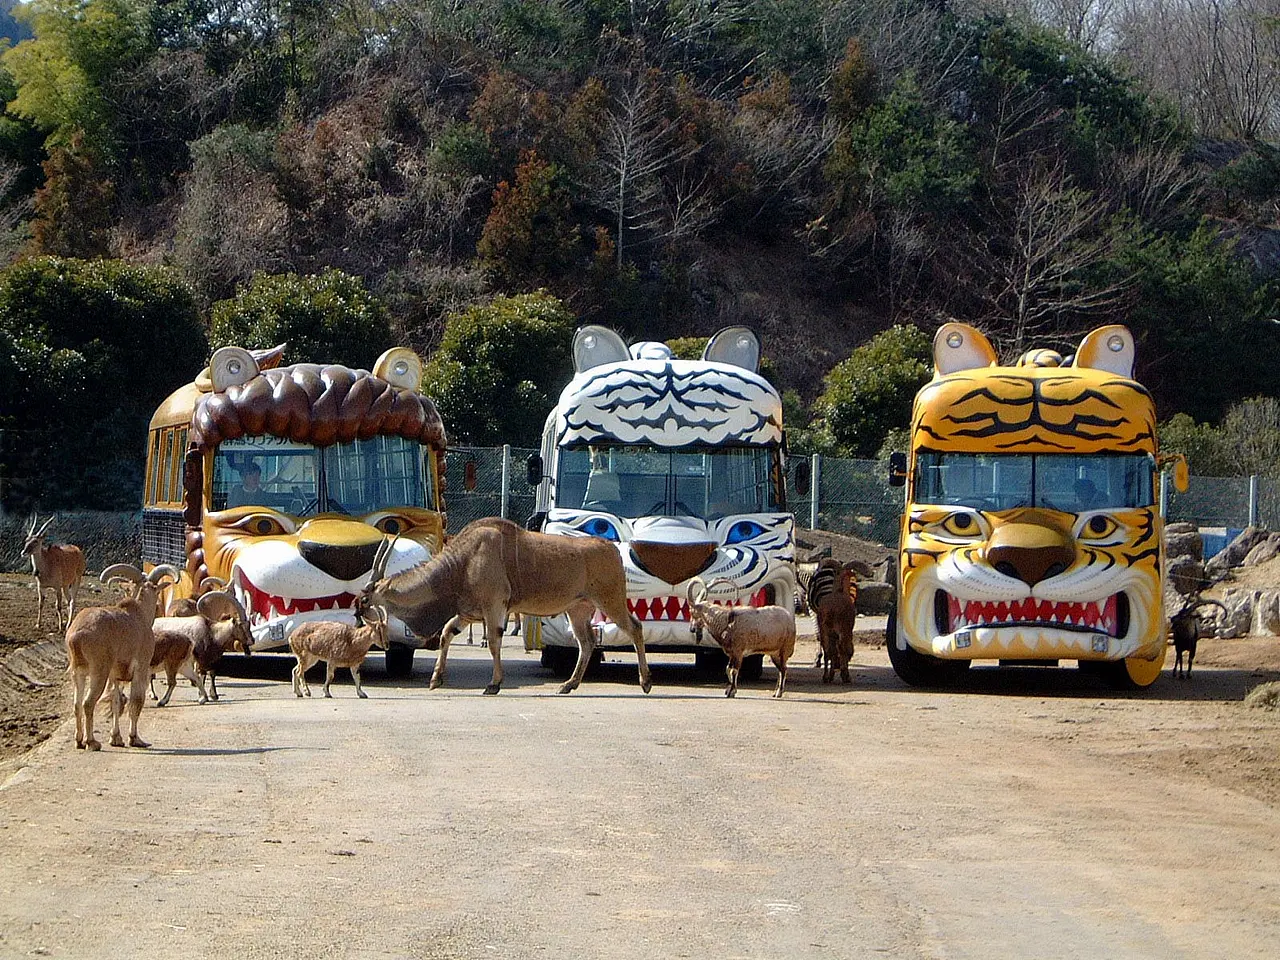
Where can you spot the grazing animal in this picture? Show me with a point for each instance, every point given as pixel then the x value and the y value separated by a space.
pixel 494 567
pixel 58 568
pixel 338 645
pixel 743 631
pixel 221 624
pixel 1186 627
pixel 114 644
pixel 836 611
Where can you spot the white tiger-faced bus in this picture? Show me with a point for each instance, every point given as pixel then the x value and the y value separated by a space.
pixel 681 464
pixel 281 481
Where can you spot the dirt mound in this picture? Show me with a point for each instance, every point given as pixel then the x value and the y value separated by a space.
pixel 1263 576
pixel 812 544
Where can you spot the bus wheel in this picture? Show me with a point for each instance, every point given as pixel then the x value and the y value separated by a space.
pixel 1131 674
pixel 399 661
pixel 752 668
pixel 710 663
pixel 919 669
pixel 560 660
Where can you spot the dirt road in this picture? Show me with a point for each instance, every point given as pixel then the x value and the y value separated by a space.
pixel 1034 815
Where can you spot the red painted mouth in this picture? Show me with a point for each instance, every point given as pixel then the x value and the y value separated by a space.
pixel 1032 612
pixel 673 608
pixel 263 606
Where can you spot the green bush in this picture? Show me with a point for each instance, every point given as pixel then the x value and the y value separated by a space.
pixel 500 369
pixel 325 318
pixel 870 393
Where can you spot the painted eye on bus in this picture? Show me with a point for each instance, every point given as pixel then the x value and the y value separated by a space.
pixel 600 527
pixel 392 524
pixel 262 525
pixel 1099 529
pixel 743 530
pixel 961 525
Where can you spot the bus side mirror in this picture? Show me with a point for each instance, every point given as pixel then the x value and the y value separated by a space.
pixel 533 469
pixel 1181 474
pixel 897 469
pixel 804 477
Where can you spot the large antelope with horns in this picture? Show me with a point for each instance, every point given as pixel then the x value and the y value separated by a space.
pixel 494 567
pixel 57 568
pixel 114 644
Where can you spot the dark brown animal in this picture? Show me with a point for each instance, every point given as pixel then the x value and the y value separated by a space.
pixel 836 612
pixel 494 567
pixel 1187 628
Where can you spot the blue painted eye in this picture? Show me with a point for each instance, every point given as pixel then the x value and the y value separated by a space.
pixel 600 527
pixel 743 530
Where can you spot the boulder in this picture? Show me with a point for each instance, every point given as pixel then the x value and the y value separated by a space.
pixel 875 599
pixel 1235 552
pixel 1248 613
pixel 1183 544
pixel 1267 549
pixel 1266 614
pixel 1181 526
pixel 1186 575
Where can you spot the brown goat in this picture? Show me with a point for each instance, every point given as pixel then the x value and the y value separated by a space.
pixel 338 645
pixel 742 631
pixel 221 624
pixel 114 644
pixel 57 568
pixel 494 567
pixel 836 613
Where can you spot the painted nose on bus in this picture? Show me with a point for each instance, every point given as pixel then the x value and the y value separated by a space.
pixel 1030 547
pixel 344 549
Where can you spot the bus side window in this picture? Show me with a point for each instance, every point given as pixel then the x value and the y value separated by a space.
pixel 164 466
pixel 153 465
pixel 179 451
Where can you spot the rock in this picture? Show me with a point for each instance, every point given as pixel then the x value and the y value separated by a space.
pixel 1235 552
pixel 1266 614
pixel 875 599
pixel 1238 618
pixel 1268 549
pixel 1179 544
pixel 1186 575
pixel 1181 526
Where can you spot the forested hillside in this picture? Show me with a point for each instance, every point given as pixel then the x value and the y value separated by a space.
pixel 821 170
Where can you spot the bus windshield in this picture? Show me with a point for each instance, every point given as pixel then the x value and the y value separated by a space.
pixel 299 479
pixel 1069 482
pixel 644 481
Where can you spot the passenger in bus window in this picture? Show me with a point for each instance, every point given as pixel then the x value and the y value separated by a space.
pixel 249 491
pixel 1087 495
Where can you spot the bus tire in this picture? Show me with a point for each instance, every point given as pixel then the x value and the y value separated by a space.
pixel 399 661
pixel 918 669
pixel 1131 674
pixel 710 663
pixel 560 660
pixel 752 668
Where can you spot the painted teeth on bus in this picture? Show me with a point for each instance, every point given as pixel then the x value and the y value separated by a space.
pixel 281 482
pixel 1031 532
pixel 681 464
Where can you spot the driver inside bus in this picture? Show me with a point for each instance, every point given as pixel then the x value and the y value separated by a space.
pixel 248 492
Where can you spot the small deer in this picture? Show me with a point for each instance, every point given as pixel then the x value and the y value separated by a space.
pixel 57 568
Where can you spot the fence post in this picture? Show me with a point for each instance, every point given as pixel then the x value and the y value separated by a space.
pixel 815 481
pixel 506 477
pixel 1253 499
pixel 1164 494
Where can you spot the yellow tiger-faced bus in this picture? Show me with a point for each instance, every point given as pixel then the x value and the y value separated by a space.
pixel 1031 532
pixel 281 482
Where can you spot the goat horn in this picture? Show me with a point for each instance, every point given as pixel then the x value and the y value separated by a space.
pixel 719 580
pixel 163 569
pixel 209 584
pixel 216 605
pixel 695 584
pixel 125 571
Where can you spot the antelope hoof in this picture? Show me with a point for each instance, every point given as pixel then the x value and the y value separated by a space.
pixel 93 745
pixel 79 744
pixel 117 741
pixel 436 683
pixel 567 688
pixel 729 691
pixel 492 689
pixel 845 678
pixel 646 685
pixel 137 741
pixel 362 695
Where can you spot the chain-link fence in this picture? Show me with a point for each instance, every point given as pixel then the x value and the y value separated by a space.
pixel 853 497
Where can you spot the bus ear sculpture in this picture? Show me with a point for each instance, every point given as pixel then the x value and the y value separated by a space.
pixel 594 345
pixel 400 367
pixel 1108 348
pixel 736 346
pixel 958 346
pixel 231 367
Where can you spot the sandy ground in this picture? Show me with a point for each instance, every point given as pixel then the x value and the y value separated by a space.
pixel 1031 813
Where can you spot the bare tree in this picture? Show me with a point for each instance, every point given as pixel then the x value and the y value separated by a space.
pixel 15 214
pixel 1033 270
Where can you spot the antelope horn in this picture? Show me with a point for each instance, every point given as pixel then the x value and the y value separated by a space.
pixel 32 529
pixel 163 569
pixel 381 558
pixel 40 532
pixel 124 571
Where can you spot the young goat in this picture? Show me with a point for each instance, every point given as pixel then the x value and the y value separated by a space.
pixel 220 625
pixel 836 611
pixel 57 568
pixel 338 645
pixel 114 644
pixel 743 631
